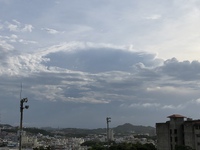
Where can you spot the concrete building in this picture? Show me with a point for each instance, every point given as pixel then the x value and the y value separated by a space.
pixel 28 141
pixel 178 131
pixel 111 135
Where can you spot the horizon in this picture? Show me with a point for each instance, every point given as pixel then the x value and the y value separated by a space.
pixel 77 127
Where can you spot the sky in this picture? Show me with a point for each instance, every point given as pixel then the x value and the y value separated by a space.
pixel 80 61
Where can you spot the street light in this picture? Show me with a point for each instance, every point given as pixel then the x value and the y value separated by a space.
pixel 22 107
pixel 108 119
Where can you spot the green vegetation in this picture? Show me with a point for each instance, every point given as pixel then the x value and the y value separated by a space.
pixel 121 130
pixel 128 128
pixel 42 148
pixel 36 131
pixel 130 146
pixel 29 130
pixel 182 147
pixel 120 146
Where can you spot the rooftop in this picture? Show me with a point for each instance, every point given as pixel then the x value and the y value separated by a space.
pixel 176 116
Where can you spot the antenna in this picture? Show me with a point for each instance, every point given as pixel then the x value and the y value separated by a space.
pixel 0 123
pixel 21 92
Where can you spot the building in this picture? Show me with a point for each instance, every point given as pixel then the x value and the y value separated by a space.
pixel 28 141
pixel 178 131
pixel 110 135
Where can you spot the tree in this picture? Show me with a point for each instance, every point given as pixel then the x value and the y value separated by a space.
pixel 182 147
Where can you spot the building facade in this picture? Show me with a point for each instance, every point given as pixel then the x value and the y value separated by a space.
pixel 178 131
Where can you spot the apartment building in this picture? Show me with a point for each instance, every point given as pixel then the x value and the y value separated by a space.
pixel 178 131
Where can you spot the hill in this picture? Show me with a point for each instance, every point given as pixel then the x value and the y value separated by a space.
pixel 124 129
pixel 129 128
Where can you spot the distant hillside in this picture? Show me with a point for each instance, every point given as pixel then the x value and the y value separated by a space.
pixel 125 129
pixel 5 125
pixel 129 128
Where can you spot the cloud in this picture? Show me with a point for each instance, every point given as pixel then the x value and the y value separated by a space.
pixel 112 59
pixel 13 27
pixel 51 31
pixel 5 46
pixel 184 70
pixel 13 38
pixel 115 68
pixel 16 26
pixel 27 28
pixel 144 105
pixel 100 74
pixel 17 22
pixel 173 107
pixel 27 41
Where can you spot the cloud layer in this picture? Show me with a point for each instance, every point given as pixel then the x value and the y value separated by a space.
pixel 128 81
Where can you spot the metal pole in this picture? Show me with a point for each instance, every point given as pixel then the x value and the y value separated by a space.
pixel 20 128
pixel 21 119
pixel 108 119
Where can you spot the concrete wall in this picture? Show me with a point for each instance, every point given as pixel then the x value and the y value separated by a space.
pixel 162 131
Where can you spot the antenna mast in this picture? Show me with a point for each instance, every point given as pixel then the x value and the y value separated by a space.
pixel 20 92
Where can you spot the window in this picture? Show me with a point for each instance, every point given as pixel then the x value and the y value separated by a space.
pixel 197 127
pixel 175 131
pixel 176 139
pixel 197 135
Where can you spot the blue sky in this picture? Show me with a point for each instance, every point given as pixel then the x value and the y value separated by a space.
pixel 136 61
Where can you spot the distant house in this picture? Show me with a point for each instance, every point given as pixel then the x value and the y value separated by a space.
pixel 178 131
pixel 28 142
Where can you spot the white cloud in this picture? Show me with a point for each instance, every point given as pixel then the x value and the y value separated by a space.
pixel 27 41
pixel 197 101
pixel 27 28
pixel 5 46
pixel 51 31
pixel 13 38
pixel 150 105
pixel 16 22
pixel 18 27
pixel 13 27
pixel 178 107
pixel 142 105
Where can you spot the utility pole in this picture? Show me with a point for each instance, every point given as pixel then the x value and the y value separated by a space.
pixel 108 119
pixel 22 107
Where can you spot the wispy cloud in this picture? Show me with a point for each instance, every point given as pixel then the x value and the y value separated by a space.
pixel 5 46
pixel 51 31
pixel 16 26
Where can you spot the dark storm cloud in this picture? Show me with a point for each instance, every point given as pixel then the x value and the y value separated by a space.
pixel 105 77
pixel 184 70
pixel 100 60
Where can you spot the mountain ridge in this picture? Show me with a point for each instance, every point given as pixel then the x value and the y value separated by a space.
pixel 126 128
